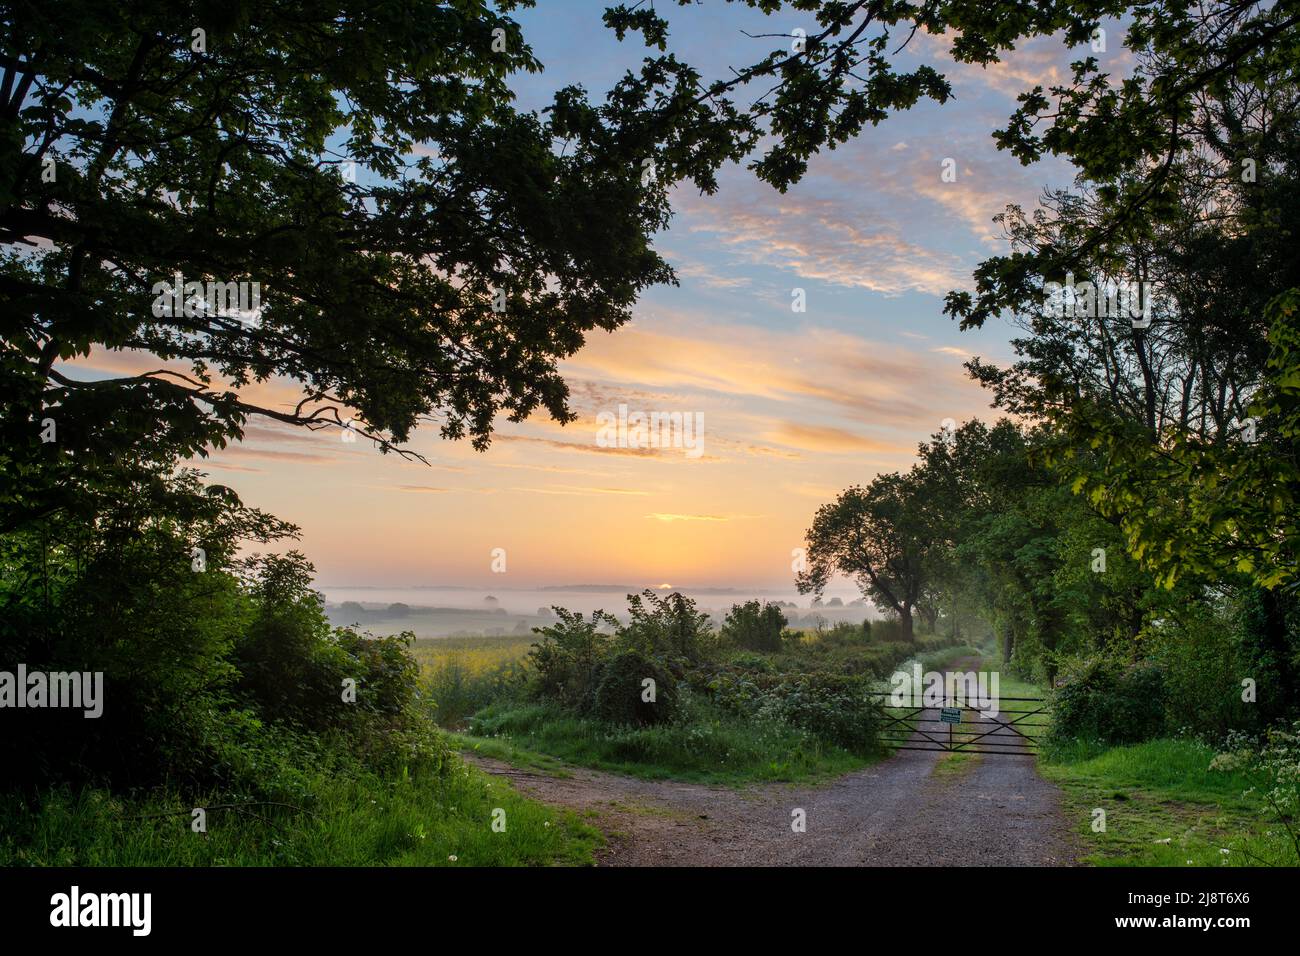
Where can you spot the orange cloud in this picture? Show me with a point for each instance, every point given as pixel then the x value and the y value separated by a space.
pixel 826 438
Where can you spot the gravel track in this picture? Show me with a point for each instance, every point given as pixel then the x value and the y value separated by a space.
pixel 916 808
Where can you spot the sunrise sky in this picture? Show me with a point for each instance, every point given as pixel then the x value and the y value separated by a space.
pixel 796 406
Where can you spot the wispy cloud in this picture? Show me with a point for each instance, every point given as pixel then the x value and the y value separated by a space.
pixel 849 376
pixel 226 466
pixel 271 454
pixel 814 240
pixel 826 438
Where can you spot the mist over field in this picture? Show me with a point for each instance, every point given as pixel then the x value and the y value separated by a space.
pixel 465 611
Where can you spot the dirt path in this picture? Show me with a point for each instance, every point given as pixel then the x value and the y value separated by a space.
pixel 917 808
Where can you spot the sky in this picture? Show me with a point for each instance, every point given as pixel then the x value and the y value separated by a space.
pixel 795 406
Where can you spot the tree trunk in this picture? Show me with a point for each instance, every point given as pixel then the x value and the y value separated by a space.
pixel 905 616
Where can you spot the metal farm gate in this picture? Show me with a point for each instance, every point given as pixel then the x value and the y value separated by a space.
pixel 1012 732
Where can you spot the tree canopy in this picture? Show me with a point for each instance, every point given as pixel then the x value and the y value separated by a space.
pixel 422 249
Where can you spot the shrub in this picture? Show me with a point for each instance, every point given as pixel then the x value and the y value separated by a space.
pixel 1107 701
pixel 888 630
pixel 293 666
pixel 216 672
pixel 289 669
pixel 832 708
pixel 1202 655
pixel 123 597
pixel 845 634
pixel 749 661
pixel 846 654
pixel 754 626
pixel 620 695
pixel 567 661
pixel 668 628
pixel 387 676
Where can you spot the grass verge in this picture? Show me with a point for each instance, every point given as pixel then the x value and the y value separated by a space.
pixel 707 746
pixel 1163 805
pixel 367 821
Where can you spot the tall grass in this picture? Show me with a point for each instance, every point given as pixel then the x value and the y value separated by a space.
pixel 464 675
pixel 704 745
pixel 433 820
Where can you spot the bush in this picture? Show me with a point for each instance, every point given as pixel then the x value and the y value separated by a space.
pixel 1203 657
pixel 844 653
pixel 567 661
pixel 296 670
pixel 217 671
pixel 289 668
pixel 571 658
pixel 749 661
pixel 845 634
pixel 620 695
pixel 668 628
pixel 832 708
pixel 1270 643
pixel 754 626
pixel 1107 701
pixel 888 630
